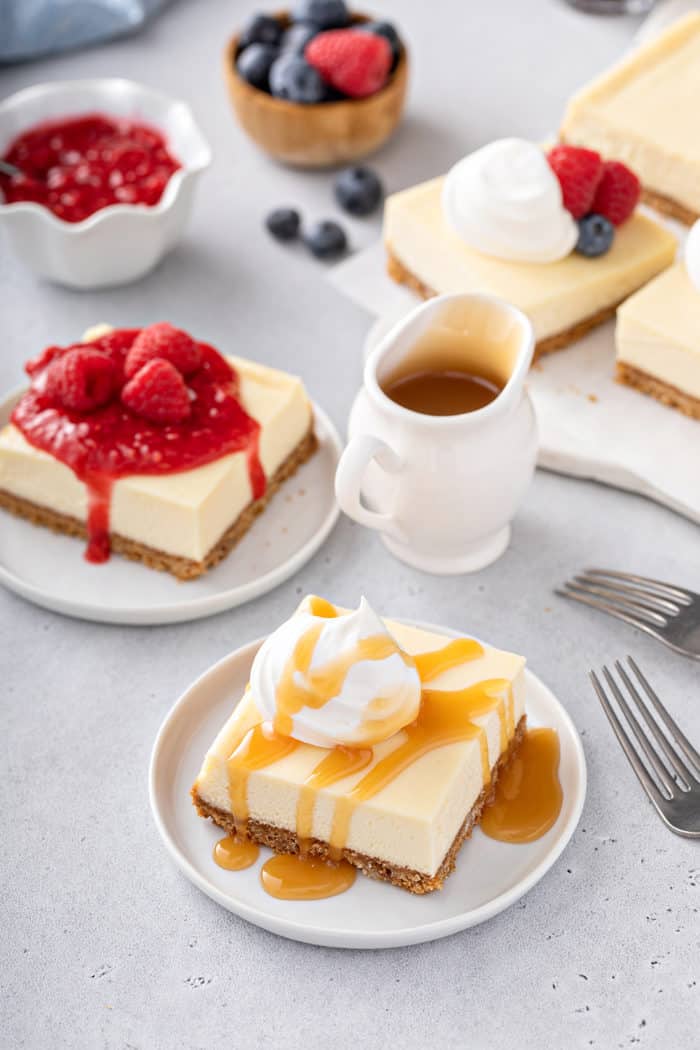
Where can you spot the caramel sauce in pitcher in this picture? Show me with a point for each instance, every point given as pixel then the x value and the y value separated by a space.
pixel 527 801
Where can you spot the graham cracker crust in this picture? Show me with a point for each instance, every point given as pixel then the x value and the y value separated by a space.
pixel 282 840
pixel 398 272
pixel 182 568
pixel 664 392
pixel 668 206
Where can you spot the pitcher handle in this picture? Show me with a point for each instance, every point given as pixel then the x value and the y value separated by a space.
pixel 359 453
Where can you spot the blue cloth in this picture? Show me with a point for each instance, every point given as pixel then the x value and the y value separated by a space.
pixel 29 28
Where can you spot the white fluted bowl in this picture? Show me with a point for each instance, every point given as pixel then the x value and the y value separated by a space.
pixel 122 242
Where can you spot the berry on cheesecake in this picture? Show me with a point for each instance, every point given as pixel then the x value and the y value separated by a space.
pixel 601 195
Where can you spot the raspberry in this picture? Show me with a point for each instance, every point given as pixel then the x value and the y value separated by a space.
pixel 82 379
pixel 579 171
pixel 158 392
pixel 617 194
pixel 38 364
pixel 355 63
pixel 164 341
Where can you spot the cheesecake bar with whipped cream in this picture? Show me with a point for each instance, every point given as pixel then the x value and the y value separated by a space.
pixel 644 111
pixel 152 445
pixel 658 335
pixel 365 741
pixel 497 223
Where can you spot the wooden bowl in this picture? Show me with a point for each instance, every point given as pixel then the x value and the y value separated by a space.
pixel 321 135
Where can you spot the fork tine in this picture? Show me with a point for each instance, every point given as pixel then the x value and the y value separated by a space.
pixel 681 769
pixel 679 736
pixel 633 595
pixel 625 610
pixel 626 744
pixel 657 765
pixel 664 590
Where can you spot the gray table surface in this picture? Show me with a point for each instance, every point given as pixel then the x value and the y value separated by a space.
pixel 104 943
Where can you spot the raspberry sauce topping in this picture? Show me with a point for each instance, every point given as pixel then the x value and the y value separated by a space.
pixel 138 425
pixel 78 165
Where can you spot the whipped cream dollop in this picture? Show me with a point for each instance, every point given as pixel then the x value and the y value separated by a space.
pixel 504 200
pixel 692 254
pixel 339 680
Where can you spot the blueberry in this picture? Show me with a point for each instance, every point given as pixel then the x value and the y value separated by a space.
pixel 387 30
pixel 326 240
pixel 358 190
pixel 326 14
pixel 595 235
pixel 283 224
pixel 295 80
pixel 297 37
pixel 260 29
pixel 254 64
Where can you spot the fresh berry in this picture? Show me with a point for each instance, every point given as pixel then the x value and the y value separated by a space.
pixel 326 240
pixel 595 235
pixel 254 64
pixel 165 341
pixel 158 392
pixel 82 379
pixel 38 364
pixel 358 190
pixel 579 171
pixel 284 224
pixel 617 194
pixel 326 14
pixel 260 29
pixel 294 79
pixel 387 30
pixel 355 63
pixel 297 37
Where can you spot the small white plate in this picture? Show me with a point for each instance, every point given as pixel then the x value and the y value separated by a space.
pixel 490 875
pixel 50 570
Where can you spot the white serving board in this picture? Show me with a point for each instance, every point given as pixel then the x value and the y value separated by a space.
pixel 590 426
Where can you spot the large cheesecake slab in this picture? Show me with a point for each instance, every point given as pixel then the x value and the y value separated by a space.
pixel 563 299
pixel 184 521
pixel 644 112
pixel 403 816
pixel 658 341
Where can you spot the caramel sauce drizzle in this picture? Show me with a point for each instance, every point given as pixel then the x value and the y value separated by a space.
pixel 528 793
pixel 235 854
pixel 445 717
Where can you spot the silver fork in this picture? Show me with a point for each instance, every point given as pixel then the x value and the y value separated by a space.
pixel 675 787
pixel 666 612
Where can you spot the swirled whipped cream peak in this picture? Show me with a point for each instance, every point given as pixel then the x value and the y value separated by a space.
pixel 335 678
pixel 504 200
pixel 692 254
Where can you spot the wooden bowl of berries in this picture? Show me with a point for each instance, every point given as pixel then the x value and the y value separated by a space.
pixel 317 86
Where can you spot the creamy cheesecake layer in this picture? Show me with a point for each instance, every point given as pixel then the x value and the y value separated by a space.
pixel 182 514
pixel 555 296
pixel 658 331
pixel 411 822
pixel 645 112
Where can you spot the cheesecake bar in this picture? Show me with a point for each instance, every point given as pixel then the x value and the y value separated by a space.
pixel 408 801
pixel 563 299
pixel 644 112
pixel 658 341
pixel 183 513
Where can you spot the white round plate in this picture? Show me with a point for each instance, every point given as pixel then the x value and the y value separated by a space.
pixel 50 569
pixel 490 875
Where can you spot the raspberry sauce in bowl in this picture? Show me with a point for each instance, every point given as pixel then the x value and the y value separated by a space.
pixel 112 441
pixel 78 165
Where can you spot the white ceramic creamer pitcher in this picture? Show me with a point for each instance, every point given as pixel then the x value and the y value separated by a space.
pixel 444 489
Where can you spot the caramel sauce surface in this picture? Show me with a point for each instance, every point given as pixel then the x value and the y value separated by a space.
pixel 449 392
pixel 293 878
pixel 235 854
pixel 528 793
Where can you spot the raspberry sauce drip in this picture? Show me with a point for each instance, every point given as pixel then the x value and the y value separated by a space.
pixel 112 442
pixel 78 165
